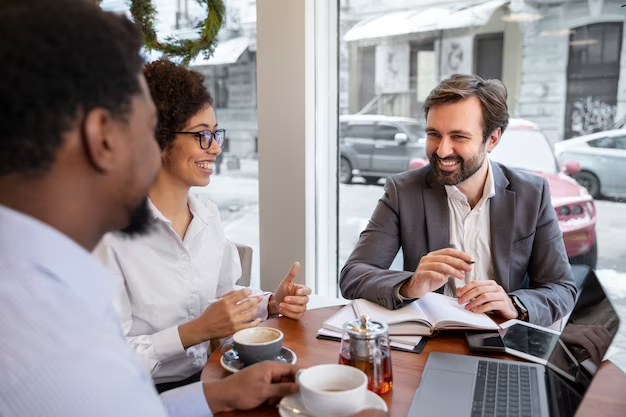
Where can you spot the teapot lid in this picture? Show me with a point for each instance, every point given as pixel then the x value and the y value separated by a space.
pixel 364 328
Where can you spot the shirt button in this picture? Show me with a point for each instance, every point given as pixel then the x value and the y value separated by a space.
pixel 185 256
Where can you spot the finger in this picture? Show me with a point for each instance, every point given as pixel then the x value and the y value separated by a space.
pixel 234 297
pixel 292 311
pixel 475 284
pixel 455 253
pixel 247 304
pixel 490 306
pixel 442 268
pixel 433 276
pixel 477 292
pixel 292 274
pixel 296 300
pixel 248 325
pixel 603 334
pixel 283 372
pixel 450 260
pixel 302 290
pixel 246 315
pixel 487 297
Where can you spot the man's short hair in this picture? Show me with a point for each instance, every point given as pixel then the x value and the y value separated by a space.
pixel 59 60
pixel 491 94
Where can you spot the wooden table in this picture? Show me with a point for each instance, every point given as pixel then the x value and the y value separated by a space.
pixel 606 396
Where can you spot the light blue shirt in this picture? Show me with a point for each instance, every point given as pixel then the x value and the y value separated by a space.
pixel 62 352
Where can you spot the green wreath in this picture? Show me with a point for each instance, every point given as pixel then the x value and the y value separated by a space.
pixel 143 12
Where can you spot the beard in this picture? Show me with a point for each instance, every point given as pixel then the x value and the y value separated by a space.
pixel 465 169
pixel 140 223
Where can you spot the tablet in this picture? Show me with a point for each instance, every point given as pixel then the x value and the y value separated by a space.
pixel 528 341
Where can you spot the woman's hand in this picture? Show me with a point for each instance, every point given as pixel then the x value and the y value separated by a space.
pixel 232 312
pixel 290 299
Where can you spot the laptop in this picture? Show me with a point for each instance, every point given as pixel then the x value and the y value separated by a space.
pixel 459 385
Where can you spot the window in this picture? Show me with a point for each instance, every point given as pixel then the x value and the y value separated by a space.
pixel 365 131
pixel 564 67
pixel 606 143
pixel 387 132
pixel 230 77
pixel 525 149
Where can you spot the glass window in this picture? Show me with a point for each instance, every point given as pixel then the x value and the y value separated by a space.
pixel 620 142
pixel 564 67
pixel 387 132
pixel 525 149
pixel 231 81
pixel 361 131
pixel 606 143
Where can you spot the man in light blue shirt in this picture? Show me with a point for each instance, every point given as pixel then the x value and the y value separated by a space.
pixel 77 157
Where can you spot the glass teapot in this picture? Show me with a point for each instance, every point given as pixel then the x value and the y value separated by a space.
pixel 365 345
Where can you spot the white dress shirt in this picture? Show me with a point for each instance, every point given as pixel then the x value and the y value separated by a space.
pixel 470 232
pixel 62 353
pixel 164 281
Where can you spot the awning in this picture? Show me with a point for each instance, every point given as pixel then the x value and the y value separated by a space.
pixel 226 52
pixel 424 20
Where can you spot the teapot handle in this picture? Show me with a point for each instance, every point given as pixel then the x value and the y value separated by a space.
pixel 377 365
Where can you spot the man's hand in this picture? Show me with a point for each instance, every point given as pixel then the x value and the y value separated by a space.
pixel 487 295
pixel 594 338
pixel 433 272
pixel 290 299
pixel 232 312
pixel 251 387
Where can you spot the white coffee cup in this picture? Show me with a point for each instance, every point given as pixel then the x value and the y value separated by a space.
pixel 332 390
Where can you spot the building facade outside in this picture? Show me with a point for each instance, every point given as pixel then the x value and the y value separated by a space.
pixel 231 71
pixel 561 60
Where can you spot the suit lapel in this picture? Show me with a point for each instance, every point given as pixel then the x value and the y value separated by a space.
pixel 501 212
pixel 437 214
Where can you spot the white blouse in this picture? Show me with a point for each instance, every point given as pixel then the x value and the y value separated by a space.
pixel 165 282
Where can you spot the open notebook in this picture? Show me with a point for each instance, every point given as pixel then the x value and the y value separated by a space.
pixel 420 318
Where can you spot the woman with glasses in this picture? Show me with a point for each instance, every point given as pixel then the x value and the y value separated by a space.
pixel 168 277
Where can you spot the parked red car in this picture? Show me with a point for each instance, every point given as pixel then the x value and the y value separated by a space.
pixel 523 146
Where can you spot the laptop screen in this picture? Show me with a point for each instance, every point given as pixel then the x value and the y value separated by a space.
pixel 581 347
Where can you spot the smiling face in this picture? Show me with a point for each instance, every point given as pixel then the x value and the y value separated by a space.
pixel 454 145
pixel 185 161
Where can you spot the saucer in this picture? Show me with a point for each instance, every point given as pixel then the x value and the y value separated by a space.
pixel 286 355
pixel 371 401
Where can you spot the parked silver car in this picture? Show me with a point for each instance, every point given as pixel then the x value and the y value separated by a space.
pixel 375 146
pixel 602 158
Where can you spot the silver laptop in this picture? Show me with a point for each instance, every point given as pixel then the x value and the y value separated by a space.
pixel 458 385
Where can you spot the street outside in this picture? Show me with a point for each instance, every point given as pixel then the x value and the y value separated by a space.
pixel 236 194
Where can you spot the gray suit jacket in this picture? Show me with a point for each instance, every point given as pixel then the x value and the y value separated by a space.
pixel 413 215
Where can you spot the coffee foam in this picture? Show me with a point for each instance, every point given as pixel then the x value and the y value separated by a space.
pixel 257 335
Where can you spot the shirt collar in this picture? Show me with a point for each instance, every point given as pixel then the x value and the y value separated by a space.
pixel 198 210
pixel 25 238
pixel 489 189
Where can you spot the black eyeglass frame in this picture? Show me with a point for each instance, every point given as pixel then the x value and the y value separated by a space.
pixel 209 136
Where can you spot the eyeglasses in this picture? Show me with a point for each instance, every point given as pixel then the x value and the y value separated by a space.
pixel 205 137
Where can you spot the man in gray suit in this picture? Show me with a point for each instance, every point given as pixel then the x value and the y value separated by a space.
pixel 468 227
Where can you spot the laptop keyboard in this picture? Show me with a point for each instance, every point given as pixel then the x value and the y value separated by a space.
pixel 503 389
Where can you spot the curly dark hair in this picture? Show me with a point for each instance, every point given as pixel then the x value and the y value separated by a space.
pixel 178 93
pixel 491 94
pixel 59 60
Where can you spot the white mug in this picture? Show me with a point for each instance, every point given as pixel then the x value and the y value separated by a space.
pixel 332 390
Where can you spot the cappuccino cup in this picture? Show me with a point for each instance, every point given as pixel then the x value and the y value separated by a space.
pixel 254 345
pixel 332 390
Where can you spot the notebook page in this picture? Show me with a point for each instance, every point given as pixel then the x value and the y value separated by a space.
pixel 409 313
pixel 445 311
